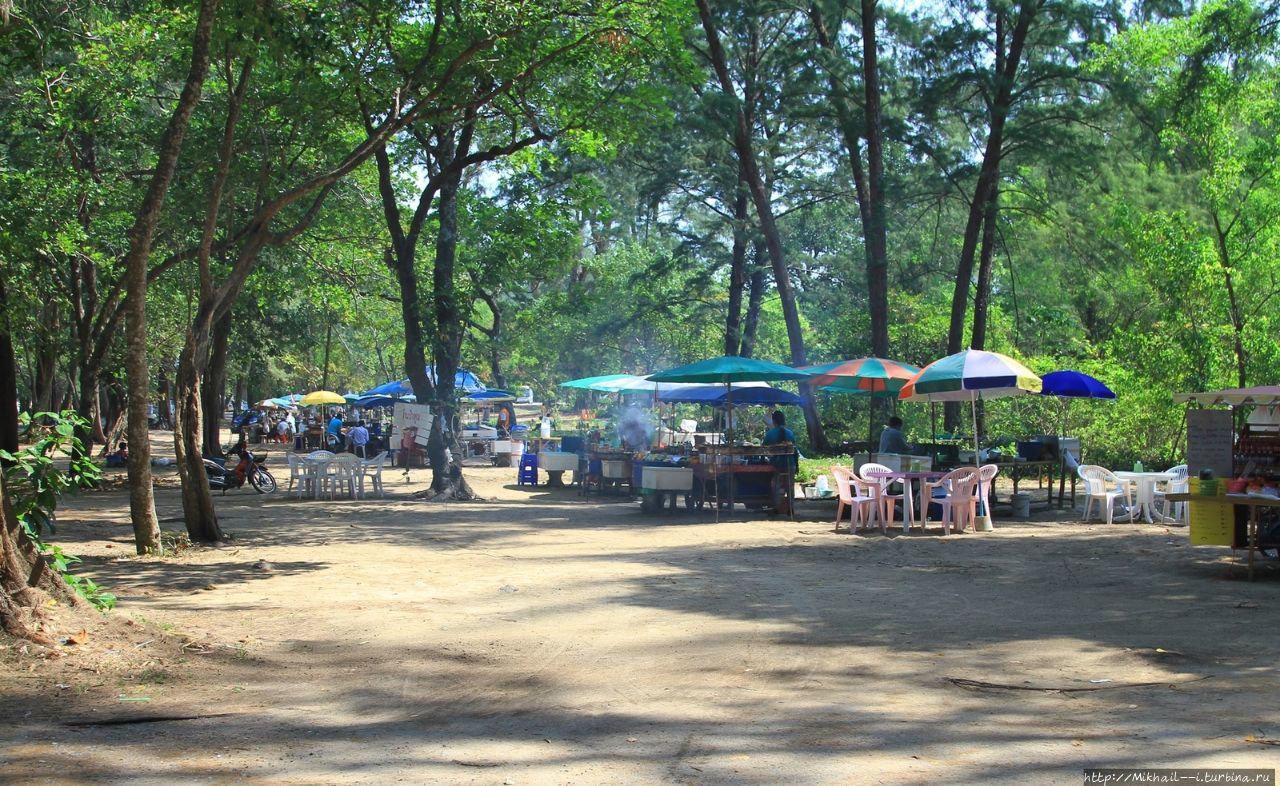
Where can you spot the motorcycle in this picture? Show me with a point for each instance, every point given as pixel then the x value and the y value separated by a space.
pixel 250 468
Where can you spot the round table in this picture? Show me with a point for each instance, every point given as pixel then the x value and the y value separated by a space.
pixel 1145 493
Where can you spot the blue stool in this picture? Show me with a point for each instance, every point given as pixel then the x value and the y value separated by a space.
pixel 528 475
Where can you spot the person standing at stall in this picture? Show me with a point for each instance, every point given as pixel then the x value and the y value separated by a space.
pixel 892 440
pixel 785 465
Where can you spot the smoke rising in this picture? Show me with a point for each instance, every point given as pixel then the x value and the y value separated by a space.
pixel 634 428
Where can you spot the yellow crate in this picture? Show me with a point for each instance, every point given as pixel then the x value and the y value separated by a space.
pixel 1212 523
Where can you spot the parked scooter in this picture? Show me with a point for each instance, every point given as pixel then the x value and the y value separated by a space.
pixel 250 468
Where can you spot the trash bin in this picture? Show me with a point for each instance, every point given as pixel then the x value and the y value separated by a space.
pixel 1021 505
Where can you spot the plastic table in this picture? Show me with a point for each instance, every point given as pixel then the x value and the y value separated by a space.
pixel 1145 495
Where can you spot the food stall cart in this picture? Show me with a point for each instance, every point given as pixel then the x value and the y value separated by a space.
pixel 1234 497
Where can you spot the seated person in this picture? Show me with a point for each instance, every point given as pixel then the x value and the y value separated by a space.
pixel 120 458
pixel 333 431
pixel 892 439
pixel 785 465
pixel 282 431
pixel 358 439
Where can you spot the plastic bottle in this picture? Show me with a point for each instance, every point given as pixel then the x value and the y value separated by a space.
pixel 1137 465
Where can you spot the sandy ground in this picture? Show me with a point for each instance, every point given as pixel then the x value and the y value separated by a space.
pixel 539 638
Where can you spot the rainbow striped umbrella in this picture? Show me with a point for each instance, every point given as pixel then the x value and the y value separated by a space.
pixel 968 376
pixel 871 376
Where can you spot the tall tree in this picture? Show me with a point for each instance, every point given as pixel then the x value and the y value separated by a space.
pixel 762 199
pixel 146 527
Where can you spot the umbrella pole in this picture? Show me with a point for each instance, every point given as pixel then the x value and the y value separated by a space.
pixel 973 408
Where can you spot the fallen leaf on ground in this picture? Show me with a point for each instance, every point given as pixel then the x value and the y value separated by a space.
pixel 79 638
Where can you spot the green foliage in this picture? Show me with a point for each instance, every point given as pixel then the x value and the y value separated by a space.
pixel 32 475
pixel 36 484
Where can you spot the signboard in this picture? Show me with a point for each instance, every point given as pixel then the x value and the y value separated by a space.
pixel 410 416
pixel 1210 441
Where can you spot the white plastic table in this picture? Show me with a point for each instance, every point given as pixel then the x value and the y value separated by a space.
pixel 1145 495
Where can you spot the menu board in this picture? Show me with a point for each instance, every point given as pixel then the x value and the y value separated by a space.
pixel 417 416
pixel 1210 441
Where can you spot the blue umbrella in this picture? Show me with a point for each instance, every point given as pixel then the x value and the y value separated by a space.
pixel 463 381
pixel 1068 384
pixel 1074 384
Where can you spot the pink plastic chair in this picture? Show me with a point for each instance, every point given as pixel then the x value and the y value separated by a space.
pixel 961 487
pixel 857 495
pixel 875 475
pixel 986 475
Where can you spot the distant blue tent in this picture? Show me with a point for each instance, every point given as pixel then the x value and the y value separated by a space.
pixel 464 382
pixel 716 395
pixel 492 396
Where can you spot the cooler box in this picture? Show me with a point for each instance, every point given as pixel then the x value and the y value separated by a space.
pixel 666 478
pixel 551 461
pixel 612 469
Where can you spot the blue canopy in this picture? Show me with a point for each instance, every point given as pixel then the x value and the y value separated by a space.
pixel 716 395
pixel 382 401
pixel 463 381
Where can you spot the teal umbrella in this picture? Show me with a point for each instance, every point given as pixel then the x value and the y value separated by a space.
pixel 602 384
pixel 728 369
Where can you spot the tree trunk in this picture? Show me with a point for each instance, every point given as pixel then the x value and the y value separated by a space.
pixel 146 527
pixel 877 253
pixel 982 295
pixel 1234 312
pixel 1006 66
pixel 446 473
pixel 44 398
pixel 8 381
pixel 764 212
pixel 755 299
pixel 328 343
pixel 737 273
pixel 87 407
pixel 197 500
pixel 213 388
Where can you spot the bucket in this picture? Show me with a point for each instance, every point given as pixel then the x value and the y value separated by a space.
pixel 1021 505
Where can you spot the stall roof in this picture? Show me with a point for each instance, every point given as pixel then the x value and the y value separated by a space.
pixel 1261 395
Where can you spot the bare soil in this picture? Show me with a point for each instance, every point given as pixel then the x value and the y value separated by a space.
pixel 543 638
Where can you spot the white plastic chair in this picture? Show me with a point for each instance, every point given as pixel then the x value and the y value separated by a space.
pixel 297 474
pixel 316 466
pixel 859 503
pixel 371 470
pixel 1179 485
pixel 875 474
pixel 1101 484
pixel 341 471
pixel 959 498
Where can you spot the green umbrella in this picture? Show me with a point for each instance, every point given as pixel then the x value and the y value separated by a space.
pixel 726 370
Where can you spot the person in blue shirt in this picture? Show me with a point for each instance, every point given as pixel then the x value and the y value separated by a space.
pixel 333 431
pixel 786 465
pixel 892 440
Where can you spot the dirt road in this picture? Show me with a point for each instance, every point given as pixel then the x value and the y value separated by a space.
pixel 538 638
